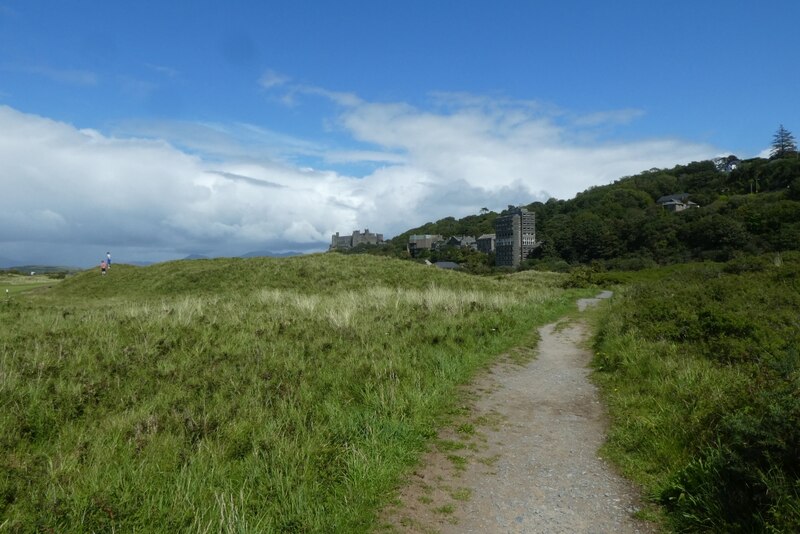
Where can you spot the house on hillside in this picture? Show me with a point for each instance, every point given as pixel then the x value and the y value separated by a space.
pixel 417 243
pixel 676 202
pixel 462 241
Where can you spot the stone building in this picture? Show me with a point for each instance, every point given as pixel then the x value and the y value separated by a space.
pixel 423 242
pixel 357 238
pixel 515 233
pixel 462 241
pixel 486 243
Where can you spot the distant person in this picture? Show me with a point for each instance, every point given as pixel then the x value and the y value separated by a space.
pixel 108 260
pixel 103 267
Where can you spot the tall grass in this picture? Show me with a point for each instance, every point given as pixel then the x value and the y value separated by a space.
pixel 236 395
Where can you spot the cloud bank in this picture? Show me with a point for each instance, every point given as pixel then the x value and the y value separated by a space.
pixel 70 194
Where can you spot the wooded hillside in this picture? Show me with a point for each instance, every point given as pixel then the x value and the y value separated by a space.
pixel 750 207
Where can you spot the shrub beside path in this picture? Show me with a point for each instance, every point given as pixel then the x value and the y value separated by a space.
pixel 523 458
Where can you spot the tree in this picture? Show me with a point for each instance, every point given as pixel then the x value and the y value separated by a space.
pixel 783 143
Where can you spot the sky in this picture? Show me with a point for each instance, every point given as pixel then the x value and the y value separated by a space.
pixel 157 130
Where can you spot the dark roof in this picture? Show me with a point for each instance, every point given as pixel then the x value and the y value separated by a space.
pixel 447 265
pixel 676 197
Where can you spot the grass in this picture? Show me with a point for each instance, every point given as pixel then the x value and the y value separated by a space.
pixel 260 395
pixel 459 462
pixel 447 509
pixel 461 494
pixel 11 284
pixel 446 445
pixel 698 365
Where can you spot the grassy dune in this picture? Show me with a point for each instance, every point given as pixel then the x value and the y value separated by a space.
pixel 259 395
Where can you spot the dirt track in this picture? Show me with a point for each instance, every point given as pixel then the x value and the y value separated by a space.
pixel 525 457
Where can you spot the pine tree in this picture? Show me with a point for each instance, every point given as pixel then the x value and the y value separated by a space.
pixel 783 143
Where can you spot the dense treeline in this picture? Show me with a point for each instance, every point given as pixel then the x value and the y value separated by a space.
pixel 744 207
pixel 754 208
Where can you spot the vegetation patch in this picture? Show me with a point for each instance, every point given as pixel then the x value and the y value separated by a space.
pixel 461 494
pixel 466 429
pixel 254 395
pixel 702 376
pixel 490 461
pixel 12 283
pixel 459 462
pixel 447 509
pixel 446 445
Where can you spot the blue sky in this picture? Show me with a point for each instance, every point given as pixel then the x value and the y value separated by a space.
pixel 161 129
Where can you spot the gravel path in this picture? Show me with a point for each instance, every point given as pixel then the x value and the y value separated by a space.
pixel 525 458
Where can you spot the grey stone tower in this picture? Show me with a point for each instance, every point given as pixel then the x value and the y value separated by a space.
pixel 516 236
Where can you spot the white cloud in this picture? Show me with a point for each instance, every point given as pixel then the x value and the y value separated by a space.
pixel 492 149
pixel 77 193
pixel 766 153
pixel 361 156
pixel 222 141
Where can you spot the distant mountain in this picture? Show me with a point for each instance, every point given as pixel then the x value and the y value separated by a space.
pixel 196 257
pixel 270 254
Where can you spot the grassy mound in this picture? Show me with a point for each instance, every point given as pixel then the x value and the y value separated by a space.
pixel 317 274
pixel 249 395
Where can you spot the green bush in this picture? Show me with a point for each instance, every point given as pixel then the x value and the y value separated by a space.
pixel 749 479
pixel 700 367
